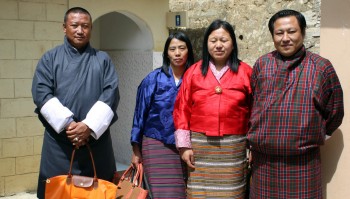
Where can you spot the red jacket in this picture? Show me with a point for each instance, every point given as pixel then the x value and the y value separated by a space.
pixel 215 109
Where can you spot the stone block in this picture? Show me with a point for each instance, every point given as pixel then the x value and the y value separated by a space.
pixel 34 64
pixel 48 31
pixel 12 29
pixel 15 147
pixel 56 12
pixel 6 88
pixel 57 43
pixel 32 11
pixel 29 126
pixel 8 9
pixel 7 49
pixel 38 144
pixel 21 107
pixel 21 183
pixel 16 69
pixel 61 2
pixel 27 164
pixel 23 88
pixel 7 166
pixel 2 186
pixel 0 148
pixel 31 49
pixel 7 128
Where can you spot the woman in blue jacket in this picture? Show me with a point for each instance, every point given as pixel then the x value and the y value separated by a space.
pixel 152 134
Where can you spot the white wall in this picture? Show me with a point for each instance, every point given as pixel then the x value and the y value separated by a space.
pixel 132 67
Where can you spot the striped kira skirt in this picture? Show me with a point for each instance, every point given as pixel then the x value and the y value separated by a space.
pixel 220 167
pixel 163 168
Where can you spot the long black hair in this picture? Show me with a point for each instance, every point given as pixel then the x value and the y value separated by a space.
pixel 233 58
pixel 182 37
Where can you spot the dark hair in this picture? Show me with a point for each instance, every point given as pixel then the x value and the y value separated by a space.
pixel 182 37
pixel 233 59
pixel 76 10
pixel 287 13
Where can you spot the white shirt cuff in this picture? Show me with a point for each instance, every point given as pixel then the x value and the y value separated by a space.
pixel 99 118
pixel 56 114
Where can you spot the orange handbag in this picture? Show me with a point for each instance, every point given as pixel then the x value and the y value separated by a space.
pixel 79 187
pixel 130 184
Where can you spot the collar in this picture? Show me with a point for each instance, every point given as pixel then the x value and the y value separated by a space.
pixel 72 49
pixel 218 74
pixel 292 61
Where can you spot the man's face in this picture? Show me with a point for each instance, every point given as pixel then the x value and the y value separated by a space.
pixel 287 36
pixel 78 29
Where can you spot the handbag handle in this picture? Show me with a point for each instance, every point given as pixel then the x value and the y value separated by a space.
pixel 137 182
pixel 127 173
pixel 136 179
pixel 69 177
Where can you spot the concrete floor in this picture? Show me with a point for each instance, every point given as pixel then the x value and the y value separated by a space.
pixel 121 167
pixel 21 196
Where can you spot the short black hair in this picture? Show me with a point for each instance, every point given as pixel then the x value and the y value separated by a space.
pixel 76 10
pixel 287 13
pixel 182 37
pixel 233 59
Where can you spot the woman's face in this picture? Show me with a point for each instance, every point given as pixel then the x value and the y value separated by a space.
pixel 177 53
pixel 220 46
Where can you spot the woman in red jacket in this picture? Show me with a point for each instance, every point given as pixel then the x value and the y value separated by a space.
pixel 211 117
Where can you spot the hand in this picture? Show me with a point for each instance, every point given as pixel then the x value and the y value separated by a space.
pixel 250 157
pixel 187 156
pixel 78 133
pixel 136 160
pixel 136 156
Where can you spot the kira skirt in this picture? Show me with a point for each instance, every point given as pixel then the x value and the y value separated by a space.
pixel 164 169
pixel 220 167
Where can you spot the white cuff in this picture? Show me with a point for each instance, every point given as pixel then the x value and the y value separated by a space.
pixel 182 138
pixel 56 114
pixel 98 118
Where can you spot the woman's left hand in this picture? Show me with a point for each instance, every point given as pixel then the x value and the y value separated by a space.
pixel 187 156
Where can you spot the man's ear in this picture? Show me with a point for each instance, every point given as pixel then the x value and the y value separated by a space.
pixel 64 27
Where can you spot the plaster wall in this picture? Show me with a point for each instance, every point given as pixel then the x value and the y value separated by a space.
pixel 335 42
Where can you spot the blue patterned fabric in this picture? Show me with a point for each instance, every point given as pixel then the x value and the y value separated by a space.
pixel 153 115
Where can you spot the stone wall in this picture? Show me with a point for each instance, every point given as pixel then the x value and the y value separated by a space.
pixel 250 18
pixel 28 29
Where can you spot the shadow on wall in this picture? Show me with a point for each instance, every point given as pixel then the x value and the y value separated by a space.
pixel 330 155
